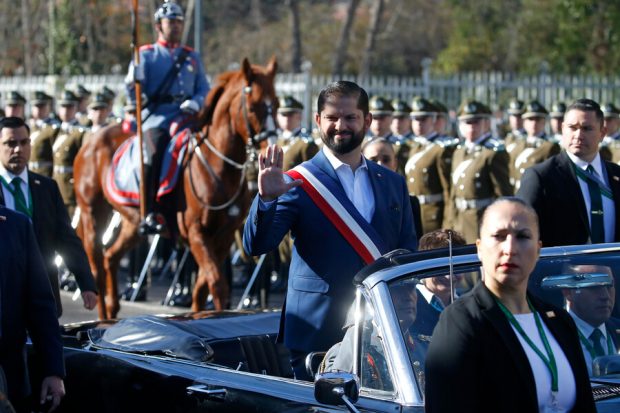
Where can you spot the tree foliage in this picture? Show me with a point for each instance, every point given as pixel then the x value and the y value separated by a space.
pixel 94 36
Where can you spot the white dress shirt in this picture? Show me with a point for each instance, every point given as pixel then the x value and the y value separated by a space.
pixel 356 184
pixel 9 200
pixel 609 208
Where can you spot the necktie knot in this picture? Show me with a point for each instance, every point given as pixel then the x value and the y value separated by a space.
pixel 20 200
pixel 17 182
pixel 596 334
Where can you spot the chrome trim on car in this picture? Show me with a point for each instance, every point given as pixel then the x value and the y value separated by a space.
pixel 407 390
pixel 392 273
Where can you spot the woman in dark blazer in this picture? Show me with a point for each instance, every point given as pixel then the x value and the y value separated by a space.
pixel 497 349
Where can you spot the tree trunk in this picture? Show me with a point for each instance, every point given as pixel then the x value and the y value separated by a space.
pixel 343 42
pixel 371 37
pixel 188 21
pixel 296 32
pixel 26 38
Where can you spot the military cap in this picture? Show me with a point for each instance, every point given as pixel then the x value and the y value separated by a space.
pixel 472 109
pixel 558 109
pixel 401 108
pixel 108 94
pixel 610 110
pixel 422 107
pixel 100 101
pixel 41 98
pixel 442 110
pixel 81 92
pixel 15 98
pixel 288 104
pixel 380 106
pixel 68 98
pixel 534 109
pixel 516 107
pixel 169 10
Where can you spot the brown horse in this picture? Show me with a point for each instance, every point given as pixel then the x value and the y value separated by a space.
pixel 210 201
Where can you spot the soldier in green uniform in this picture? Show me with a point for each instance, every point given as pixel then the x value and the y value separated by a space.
pixel 83 96
pixel 515 110
pixel 556 118
pixel 610 147
pixel 401 122
pixel 297 145
pixel 480 171
pixel 15 104
pixel 442 120
pixel 99 111
pixel 43 131
pixel 66 146
pixel 536 147
pixel 427 170
pixel 381 110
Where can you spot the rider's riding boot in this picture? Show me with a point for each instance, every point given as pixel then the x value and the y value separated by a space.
pixel 154 222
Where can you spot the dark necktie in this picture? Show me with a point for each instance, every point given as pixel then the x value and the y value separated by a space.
pixel 597 225
pixel 20 199
pixel 595 338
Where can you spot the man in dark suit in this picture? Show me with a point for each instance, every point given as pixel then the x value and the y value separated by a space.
pixel 371 201
pixel 591 309
pixel 575 193
pixel 39 198
pixel 27 304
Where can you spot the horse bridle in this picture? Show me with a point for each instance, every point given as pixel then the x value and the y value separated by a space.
pixel 250 148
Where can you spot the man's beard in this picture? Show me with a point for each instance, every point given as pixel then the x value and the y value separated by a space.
pixel 346 146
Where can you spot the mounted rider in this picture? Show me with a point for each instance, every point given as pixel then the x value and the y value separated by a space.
pixel 175 86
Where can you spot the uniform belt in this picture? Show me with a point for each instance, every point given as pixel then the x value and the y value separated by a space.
pixel 462 204
pixel 172 99
pixel 430 199
pixel 61 169
pixel 39 164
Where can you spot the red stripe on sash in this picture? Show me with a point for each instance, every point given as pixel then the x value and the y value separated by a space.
pixel 333 217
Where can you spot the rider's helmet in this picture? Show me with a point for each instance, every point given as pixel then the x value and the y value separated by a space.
pixel 169 10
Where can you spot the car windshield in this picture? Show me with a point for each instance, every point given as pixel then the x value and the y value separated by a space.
pixel 420 297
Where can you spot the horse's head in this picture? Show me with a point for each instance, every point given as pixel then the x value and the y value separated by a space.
pixel 246 101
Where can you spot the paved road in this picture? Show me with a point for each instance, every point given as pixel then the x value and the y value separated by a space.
pixel 73 311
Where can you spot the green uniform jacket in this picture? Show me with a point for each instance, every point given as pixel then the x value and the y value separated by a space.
pixel 66 146
pixel 479 175
pixel 42 137
pixel 528 153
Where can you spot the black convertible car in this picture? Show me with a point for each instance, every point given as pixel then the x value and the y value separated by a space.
pixel 230 361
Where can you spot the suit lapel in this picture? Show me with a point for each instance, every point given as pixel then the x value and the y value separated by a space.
pixel 566 168
pixel 614 182
pixel 322 162
pixel 494 314
pixel 35 189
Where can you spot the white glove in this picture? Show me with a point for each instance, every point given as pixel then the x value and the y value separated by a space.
pixel 134 74
pixel 189 106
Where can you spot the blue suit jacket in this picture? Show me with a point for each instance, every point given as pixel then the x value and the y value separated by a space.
pixel 323 264
pixel 26 304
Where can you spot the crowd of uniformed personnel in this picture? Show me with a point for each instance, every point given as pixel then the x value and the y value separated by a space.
pixel 57 131
pixel 454 167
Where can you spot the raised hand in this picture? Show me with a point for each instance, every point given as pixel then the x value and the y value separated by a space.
pixel 271 181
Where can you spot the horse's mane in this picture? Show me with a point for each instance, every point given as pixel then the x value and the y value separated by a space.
pixel 205 116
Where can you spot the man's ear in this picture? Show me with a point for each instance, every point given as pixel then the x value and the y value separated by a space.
pixel 317 119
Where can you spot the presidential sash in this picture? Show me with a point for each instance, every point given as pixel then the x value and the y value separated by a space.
pixel 329 196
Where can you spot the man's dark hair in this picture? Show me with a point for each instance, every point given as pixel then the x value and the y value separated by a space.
pixel 587 105
pixel 343 88
pixel 512 200
pixel 439 239
pixel 13 122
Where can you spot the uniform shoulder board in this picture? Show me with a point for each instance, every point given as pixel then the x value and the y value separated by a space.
pixel 446 141
pixel 187 48
pixel 147 47
pixel 494 144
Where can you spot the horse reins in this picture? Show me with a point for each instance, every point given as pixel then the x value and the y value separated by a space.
pixel 251 154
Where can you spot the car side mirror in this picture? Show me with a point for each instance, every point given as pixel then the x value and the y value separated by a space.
pixel 335 389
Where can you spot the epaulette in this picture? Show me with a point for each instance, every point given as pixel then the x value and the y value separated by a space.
pixel 147 47
pixel 56 126
pixel 447 141
pixel 187 48
pixel 494 144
